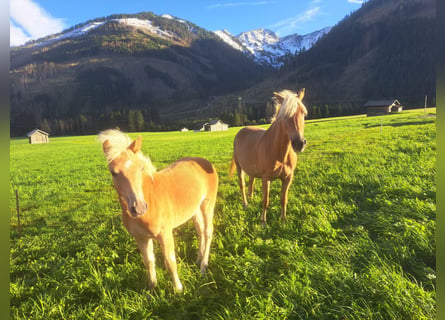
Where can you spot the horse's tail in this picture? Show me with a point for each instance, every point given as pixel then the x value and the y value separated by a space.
pixel 232 167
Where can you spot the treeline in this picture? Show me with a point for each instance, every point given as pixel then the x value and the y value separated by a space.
pixel 128 120
pixel 245 113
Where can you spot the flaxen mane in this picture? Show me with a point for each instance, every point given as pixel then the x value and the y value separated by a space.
pixel 119 142
pixel 289 106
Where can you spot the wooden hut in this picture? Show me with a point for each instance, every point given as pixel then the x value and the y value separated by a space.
pixel 216 125
pixel 382 107
pixel 38 136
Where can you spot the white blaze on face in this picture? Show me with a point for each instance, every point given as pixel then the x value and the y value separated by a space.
pixel 128 164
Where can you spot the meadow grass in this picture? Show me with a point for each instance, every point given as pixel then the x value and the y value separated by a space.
pixel 359 242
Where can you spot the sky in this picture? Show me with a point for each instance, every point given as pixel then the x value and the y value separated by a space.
pixel 33 19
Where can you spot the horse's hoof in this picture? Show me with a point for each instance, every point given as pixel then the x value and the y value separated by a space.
pixel 179 289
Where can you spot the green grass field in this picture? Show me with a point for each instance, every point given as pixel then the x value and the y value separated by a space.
pixel 359 242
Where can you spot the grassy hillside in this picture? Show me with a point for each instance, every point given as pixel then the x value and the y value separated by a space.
pixel 359 242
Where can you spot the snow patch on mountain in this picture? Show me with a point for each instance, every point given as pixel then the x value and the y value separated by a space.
pixel 71 33
pixel 133 22
pixel 228 38
pixel 148 26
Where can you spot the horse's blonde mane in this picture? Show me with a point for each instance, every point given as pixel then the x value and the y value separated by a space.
pixel 119 142
pixel 290 105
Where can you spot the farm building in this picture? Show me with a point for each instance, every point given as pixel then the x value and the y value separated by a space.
pixel 216 125
pixel 38 136
pixel 381 107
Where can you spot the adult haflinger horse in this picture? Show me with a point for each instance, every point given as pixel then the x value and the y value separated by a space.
pixel 155 202
pixel 271 154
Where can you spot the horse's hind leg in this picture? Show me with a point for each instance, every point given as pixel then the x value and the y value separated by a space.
pixel 242 184
pixel 146 248
pixel 250 189
pixel 198 221
pixel 207 208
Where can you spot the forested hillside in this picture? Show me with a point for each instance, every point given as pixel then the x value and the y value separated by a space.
pixel 383 50
pixel 118 72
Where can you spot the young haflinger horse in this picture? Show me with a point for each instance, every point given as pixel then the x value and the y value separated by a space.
pixel 271 154
pixel 155 202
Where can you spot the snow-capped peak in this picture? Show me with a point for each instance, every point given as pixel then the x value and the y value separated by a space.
pixel 268 48
pixel 255 40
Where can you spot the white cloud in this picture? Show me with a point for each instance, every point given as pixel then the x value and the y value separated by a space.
pixel 289 25
pixel 16 35
pixel 30 21
pixel 356 1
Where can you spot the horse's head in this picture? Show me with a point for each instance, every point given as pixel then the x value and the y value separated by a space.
pixel 292 111
pixel 127 166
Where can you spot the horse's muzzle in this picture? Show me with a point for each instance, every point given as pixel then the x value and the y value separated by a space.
pixel 299 144
pixel 138 208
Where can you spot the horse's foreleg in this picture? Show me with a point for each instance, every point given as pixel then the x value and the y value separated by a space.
pixel 284 191
pixel 168 249
pixel 266 187
pixel 146 248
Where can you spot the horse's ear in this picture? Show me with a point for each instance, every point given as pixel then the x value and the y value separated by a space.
pixel 106 146
pixel 300 93
pixel 135 146
pixel 279 97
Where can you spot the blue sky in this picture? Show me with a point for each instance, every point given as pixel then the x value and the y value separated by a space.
pixel 32 19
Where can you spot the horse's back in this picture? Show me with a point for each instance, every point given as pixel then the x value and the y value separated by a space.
pixel 192 172
pixel 247 138
pixel 175 193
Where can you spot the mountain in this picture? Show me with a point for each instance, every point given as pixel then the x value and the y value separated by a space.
pixel 159 65
pixel 267 48
pixel 384 50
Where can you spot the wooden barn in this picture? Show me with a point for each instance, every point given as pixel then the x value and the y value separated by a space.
pixel 38 136
pixel 216 125
pixel 382 107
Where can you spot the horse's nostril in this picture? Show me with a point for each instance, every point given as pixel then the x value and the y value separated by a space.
pixel 304 141
pixel 133 211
